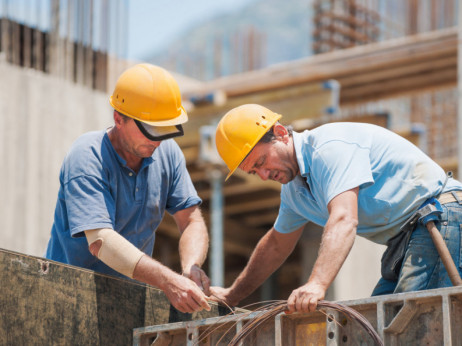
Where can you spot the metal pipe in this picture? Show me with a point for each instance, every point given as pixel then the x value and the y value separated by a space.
pixel 216 211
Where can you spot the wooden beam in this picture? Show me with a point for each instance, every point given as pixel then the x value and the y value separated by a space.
pixel 265 217
pixel 400 86
pixel 169 228
pixel 399 71
pixel 309 100
pixel 247 206
pixel 334 65
pixel 241 189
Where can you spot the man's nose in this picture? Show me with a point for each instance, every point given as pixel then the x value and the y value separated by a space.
pixel 263 173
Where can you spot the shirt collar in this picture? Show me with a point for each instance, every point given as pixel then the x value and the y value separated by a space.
pixel 299 139
pixel 146 161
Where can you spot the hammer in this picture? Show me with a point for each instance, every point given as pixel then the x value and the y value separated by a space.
pixel 428 214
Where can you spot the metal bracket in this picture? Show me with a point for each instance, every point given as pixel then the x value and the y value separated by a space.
pixel 162 339
pixel 402 318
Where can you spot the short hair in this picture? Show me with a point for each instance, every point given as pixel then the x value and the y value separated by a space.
pixel 269 136
pixel 124 117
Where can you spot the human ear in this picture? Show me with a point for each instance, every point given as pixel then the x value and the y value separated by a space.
pixel 117 119
pixel 280 132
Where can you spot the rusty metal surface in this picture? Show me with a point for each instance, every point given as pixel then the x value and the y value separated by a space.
pixel 432 317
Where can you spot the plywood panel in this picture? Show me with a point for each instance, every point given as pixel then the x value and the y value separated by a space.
pixel 49 303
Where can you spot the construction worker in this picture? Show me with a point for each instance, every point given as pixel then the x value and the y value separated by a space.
pixel 351 179
pixel 116 184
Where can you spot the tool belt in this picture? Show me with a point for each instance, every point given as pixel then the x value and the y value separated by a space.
pixel 393 256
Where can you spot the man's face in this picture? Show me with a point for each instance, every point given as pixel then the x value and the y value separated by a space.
pixel 275 161
pixel 133 141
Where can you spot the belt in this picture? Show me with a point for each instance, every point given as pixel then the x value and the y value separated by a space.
pixel 451 196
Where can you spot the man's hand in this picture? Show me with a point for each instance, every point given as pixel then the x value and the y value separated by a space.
pixel 196 274
pixel 185 295
pixel 305 298
pixel 182 292
pixel 222 295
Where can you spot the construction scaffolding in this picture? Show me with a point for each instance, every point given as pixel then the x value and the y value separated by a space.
pixel 340 24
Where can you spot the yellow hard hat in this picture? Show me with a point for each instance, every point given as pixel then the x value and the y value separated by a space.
pixel 240 130
pixel 150 95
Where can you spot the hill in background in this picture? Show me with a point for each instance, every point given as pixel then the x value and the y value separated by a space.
pixel 261 34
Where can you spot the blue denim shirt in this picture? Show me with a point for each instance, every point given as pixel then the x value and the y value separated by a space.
pixel 98 190
pixel 393 175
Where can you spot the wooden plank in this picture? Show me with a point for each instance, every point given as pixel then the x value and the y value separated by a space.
pixel 307 101
pixel 235 247
pixel 399 71
pixel 49 303
pixel 400 86
pixel 346 62
pixel 247 206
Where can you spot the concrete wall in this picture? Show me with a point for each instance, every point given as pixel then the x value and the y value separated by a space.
pixel 40 117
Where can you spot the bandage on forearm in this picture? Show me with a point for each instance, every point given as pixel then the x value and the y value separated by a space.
pixel 115 251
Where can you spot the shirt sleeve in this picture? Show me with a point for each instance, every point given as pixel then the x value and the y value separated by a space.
pixel 182 193
pixel 89 205
pixel 288 221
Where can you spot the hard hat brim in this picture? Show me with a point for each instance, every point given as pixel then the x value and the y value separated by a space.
pixel 159 133
pixel 230 174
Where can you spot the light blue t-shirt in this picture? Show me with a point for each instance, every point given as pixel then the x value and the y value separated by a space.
pixel 394 178
pixel 98 190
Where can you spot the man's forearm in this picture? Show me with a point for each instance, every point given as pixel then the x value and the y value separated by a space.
pixel 154 273
pixel 193 245
pixel 337 241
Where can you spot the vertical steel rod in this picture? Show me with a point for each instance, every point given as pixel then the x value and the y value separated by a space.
pixel 216 258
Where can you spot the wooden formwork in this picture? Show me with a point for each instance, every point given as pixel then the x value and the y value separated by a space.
pixel 43 302
pixel 430 317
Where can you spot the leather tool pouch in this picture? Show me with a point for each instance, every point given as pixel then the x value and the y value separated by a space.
pixel 393 256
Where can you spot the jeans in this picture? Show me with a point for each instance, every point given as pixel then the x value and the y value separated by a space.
pixel 422 267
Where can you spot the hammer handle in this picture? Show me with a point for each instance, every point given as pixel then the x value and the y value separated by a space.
pixel 444 254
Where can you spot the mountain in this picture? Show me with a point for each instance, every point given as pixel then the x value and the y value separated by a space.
pixel 261 34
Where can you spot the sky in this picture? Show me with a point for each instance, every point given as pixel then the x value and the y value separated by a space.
pixel 154 23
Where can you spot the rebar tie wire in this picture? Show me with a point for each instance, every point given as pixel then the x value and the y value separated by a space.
pixel 273 308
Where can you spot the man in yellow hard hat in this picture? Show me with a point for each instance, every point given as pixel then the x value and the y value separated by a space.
pixel 351 179
pixel 116 184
